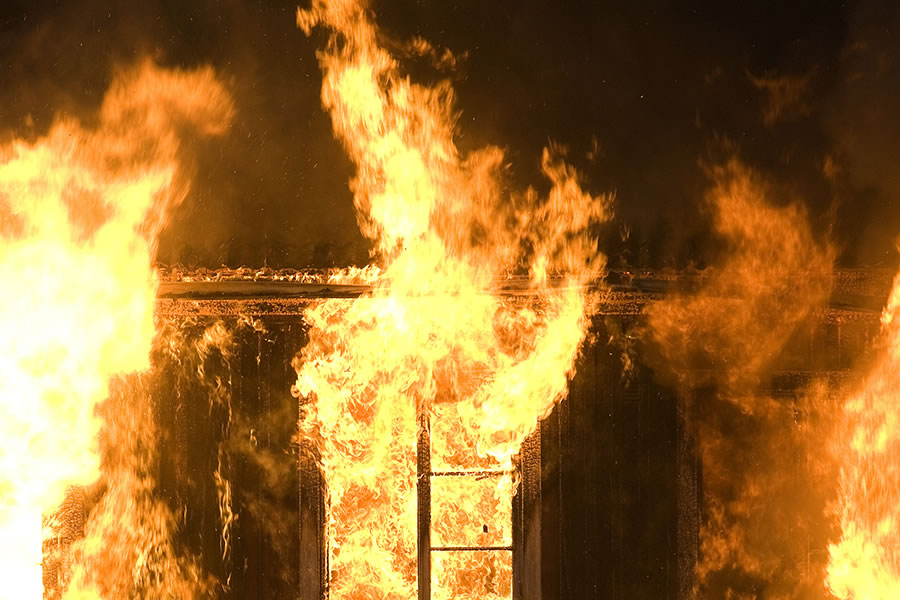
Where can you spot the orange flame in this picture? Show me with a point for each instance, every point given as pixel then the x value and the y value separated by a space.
pixel 762 484
pixel 79 212
pixel 865 563
pixel 432 339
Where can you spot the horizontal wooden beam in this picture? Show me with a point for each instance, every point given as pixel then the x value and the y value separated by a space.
pixel 620 292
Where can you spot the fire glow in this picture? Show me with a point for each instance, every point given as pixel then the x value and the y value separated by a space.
pixel 420 392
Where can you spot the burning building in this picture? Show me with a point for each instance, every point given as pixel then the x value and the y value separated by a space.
pixel 487 408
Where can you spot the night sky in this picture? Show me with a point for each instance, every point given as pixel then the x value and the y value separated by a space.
pixel 645 95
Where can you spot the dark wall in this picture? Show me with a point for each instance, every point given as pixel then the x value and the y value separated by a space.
pixel 229 408
pixel 610 506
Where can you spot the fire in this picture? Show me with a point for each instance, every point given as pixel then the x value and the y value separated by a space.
pixel 80 209
pixel 865 563
pixel 436 353
pixel 773 275
pixel 764 485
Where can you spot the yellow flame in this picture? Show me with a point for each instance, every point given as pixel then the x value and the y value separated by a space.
pixel 79 212
pixel 432 338
pixel 865 563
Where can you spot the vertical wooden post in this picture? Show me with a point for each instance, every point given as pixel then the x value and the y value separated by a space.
pixel 687 466
pixel 527 521
pixel 423 488
pixel 313 554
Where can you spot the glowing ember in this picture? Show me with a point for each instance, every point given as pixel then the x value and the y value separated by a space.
pixel 865 563
pixel 431 342
pixel 79 212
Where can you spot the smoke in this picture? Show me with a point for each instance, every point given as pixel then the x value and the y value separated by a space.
pixel 770 473
pixel 787 96
pixel 763 529
pixel 863 125
pixel 767 482
pixel 272 189
pixel 772 275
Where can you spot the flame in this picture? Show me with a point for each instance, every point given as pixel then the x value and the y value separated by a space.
pixel 865 563
pixel 80 209
pixel 432 343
